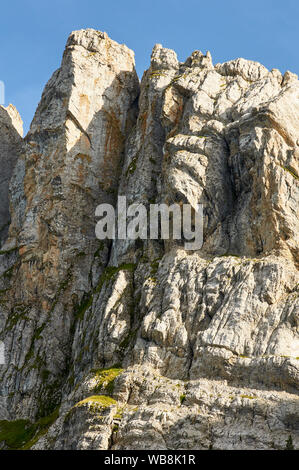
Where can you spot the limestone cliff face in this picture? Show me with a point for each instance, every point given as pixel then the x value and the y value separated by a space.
pixel 70 162
pixel 141 344
pixel 11 131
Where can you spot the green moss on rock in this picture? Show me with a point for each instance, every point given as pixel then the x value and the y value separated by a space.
pixel 132 167
pixel 22 434
pixel 110 272
pixel 84 305
pixel 96 403
pixel 290 171
pixel 105 379
pixel 182 398
pixel 15 434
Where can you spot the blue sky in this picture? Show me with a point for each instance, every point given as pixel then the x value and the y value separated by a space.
pixel 33 35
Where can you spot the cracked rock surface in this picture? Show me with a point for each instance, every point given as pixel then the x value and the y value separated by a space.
pixel 140 344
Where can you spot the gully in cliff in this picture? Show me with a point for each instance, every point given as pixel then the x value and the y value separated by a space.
pixel 176 222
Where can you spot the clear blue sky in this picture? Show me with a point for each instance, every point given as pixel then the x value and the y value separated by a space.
pixel 33 35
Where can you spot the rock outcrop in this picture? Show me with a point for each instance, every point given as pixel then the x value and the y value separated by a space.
pixel 140 343
pixel 11 131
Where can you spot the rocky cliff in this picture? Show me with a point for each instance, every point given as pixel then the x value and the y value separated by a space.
pixel 142 344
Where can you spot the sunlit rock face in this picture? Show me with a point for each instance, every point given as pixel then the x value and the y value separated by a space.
pixel 11 131
pixel 142 344
pixel 71 161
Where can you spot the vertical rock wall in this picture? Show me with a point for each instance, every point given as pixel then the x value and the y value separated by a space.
pixel 142 344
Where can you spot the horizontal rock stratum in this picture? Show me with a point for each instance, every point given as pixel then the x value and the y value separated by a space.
pixel 141 344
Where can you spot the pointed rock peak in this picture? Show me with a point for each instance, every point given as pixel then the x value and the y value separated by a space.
pixel 163 58
pixel 91 63
pixel 95 41
pixel 198 59
pixel 87 38
pixel 11 116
